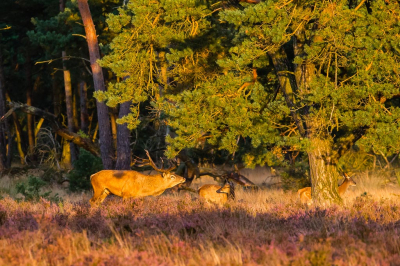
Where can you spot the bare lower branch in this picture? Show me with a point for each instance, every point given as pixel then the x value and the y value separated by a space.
pixel 69 136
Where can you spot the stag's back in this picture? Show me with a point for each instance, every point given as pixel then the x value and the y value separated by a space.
pixel 129 183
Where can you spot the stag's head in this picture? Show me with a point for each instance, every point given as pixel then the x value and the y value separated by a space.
pixel 170 178
pixel 348 179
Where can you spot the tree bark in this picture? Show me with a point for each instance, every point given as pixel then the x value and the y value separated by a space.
pixel 84 106
pixel 66 154
pixel 324 175
pixel 31 140
pixel 113 125
pixel 56 96
pixel 5 136
pixel 68 103
pixel 124 154
pixel 18 133
pixel 75 108
pixel 98 79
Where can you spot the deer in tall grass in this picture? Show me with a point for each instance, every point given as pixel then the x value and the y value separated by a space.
pixel 218 194
pixel 215 193
pixel 132 184
pixel 305 193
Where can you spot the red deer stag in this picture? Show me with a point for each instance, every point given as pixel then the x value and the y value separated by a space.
pixel 132 184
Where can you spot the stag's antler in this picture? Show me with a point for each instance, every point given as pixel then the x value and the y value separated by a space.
pixel 152 164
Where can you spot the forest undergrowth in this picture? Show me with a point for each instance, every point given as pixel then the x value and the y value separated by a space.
pixel 263 227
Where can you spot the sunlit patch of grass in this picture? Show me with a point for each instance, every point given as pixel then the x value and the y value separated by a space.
pixel 261 227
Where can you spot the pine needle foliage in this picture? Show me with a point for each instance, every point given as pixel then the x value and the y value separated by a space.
pixel 277 77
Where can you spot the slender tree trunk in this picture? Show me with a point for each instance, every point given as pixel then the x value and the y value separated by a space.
pixel 67 159
pixel 66 154
pixel 84 106
pixel 18 133
pixel 68 103
pixel 4 127
pixel 124 156
pixel 75 108
pixel 31 139
pixel 56 96
pixel 114 125
pixel 98 79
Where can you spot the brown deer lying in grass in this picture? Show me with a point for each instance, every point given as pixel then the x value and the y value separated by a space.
pixel 305 193
pixel 217 194
pixel 132 184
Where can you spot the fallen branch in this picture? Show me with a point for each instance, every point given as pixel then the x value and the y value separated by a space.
pixel 223 174
pixel 69 136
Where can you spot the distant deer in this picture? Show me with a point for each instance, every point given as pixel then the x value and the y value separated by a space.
pixel 305 193
pixel 132 184
pixel 215 193
pixel 218 194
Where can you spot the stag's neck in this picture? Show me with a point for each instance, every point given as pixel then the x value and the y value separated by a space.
pixel 343 187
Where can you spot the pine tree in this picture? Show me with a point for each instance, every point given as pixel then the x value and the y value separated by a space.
pixel 329 82
pixel 264 78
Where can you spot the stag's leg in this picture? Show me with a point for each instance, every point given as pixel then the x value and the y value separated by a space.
pixel 103 195
pixel 96 194
pixel 99 196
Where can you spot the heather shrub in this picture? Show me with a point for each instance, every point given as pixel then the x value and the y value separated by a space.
pixel 84 167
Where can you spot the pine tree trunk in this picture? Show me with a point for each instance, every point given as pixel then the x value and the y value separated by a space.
pixel 98 79
pixel 31 139
pixel 322 169
pixel 323 173
pixel 4 127
pixel 75 108
pixel 68 103
pixel 84 106
pixel 66 154
pixel 56 96
pixel 123 140
pixel 18 133
pixel 113 125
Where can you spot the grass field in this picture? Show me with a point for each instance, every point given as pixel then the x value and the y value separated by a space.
pixel 265 227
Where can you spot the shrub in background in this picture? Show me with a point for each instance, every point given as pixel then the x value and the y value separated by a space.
pixel 296 177
pixel 84 167
pixel 31 189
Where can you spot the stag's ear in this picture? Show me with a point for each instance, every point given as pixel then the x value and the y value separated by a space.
pixel 164 175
